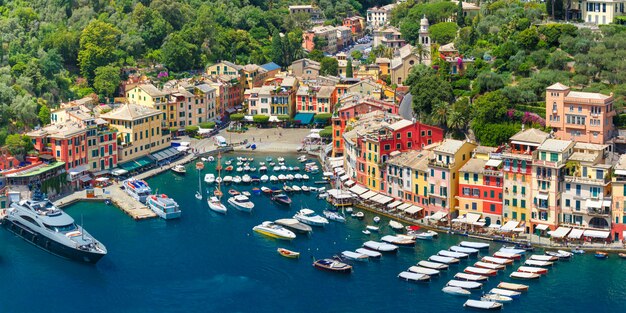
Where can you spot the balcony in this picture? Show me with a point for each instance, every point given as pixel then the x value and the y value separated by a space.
pixel 552 164
pixel 606 212
pixel 440 164
pixel 492 173
pixel 586 180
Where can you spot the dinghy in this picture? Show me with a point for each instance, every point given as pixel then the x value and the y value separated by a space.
pixel 464 284
pixel 538 263
pixel 483 305
pixel 475 245
pixel 512 286
pixel 423 270
pixel 433 265
pixel 452 254
pixel 534 270
pixel 470 277
pixel 524 275
pixel 480 271
pixel 496 298
pixel 409 276
pixel 355 256
pixel 456 291
pixel 380 246
pixel 464 250
pixel 490 266
pixel 369 253
pixel 443 259
pixel 501 261
pixel 505 292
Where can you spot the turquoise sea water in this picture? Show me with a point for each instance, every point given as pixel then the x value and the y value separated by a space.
pixel 206 262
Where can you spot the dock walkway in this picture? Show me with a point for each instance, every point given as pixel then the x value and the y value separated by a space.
pixel 117 196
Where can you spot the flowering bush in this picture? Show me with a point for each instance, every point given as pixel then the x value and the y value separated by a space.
pixel 162 75
pixel 526 117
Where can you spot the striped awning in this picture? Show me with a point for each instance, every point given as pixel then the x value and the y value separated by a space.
pixel 412 209
pixel 368 195
pixel 394 204
pixel 403 206
pixel 358 189
pixel 560 232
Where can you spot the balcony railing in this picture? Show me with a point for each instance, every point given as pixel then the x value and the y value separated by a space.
pixel 492 173
pixel 440 164
pixel 582 179
pixel 548 163
pixel 599 212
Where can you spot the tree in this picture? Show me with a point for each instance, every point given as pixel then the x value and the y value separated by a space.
pixel 349 73
pixel 322 118
pixel 489 81
pixel 277 54
pixel 18 145
pixel 459 114
pixel 107 80
pixel 178 54
pixel 329 66
pixel 460 19
pixel 316 55
pixel 24 110
pixel 44 115
pixel 206 125
pixel 421 51
pixel 98 45
pixel 320 43
pixel 440 113
pixel 260 118
pixel 356 54
pixel 192 130
pixel 428 88
pixel 443 33
pixel 491 107
pixel 236 117
pixel 528 38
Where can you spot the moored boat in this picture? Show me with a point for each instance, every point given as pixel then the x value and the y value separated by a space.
pixel 473 244
pixel 464 284
pixel 242 203
pixel 622 255
pixel 399 241
pixel 372 228
pixel 470 277
pixel 524 275
pixel 294 225
pixel 496 298
pixel 369 253
pixel 332 266
pixel 490 266
pixel 601 255
pixel 457 291
pixel 395 225
pixel 137 188
pixel 274 230
pixel 507 255
pixel 512 286
pixel 410 276
pixel 534 270
pixel 506 292
pixel 380 246
pixel 179 169
pixel 537 257
pixel 443 259
pixel 308 216
pixel 288 253
pixel 209 178
pixel 334 216
pixel 483 305
pixel 358 215
pixel 537 263
pixel 480 271
pixel 355 256
pixel 281 198
pixel 164 206
pixel 452 254
pixel 424 270
pixel 464 250
pixel 233 192
pixel 512 251
pixel 501 261
pixel 216 205
pixel 228 179
pixel 264 178
pixel 433 265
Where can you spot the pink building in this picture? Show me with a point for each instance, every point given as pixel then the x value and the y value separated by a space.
pixel 579 116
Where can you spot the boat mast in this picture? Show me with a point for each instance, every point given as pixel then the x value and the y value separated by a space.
pixel 219 172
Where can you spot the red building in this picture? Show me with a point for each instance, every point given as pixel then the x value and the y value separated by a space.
pixel 356 25
pixel 65 142
pixel 316 99
pixel 7 161
pixel 480 189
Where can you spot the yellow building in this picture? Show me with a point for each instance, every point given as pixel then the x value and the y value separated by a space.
pixel 619 199
pixel 147 95
pixel 374 177
pixel 139 130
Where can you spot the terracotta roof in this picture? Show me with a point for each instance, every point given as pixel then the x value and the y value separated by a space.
pixel 474 166
pixel 558 86
pixel 531 135
pixel 151 90
pixel 130 112
pixel 416 160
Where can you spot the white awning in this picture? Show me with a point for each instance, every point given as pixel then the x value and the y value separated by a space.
pixel 493 162
pixel 519 230
pixel 560 232
pixel 344 177
pixel 597 234
pixel 575 233
pixel 339 194
pixel 542 227
pixel 403 206
pixel 394 204
pixel 524 143
pixel 337 169
pixel 438 216
pixel 509 226
pixel 596 204
pixel 472 218
pixel 382 199
pixel 327 174
pixel 349 183
pixel 119 172
pixel 495 226
pixel 340 172
pixel 77 170
pixel 620 172
pixel 481 224
pixel 368 195
pixel 606 203
pixel 102 179
pixel 542 196
pixel 358 189
pixel 412 209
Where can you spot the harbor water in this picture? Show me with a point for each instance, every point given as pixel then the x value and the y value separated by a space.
pixel 206 262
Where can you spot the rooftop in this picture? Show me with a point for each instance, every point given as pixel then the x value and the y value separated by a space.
pixel 589 146
pixel 151 90
pixel 36 170
pixel 474 166
pixel 621 163
pixel 270 66
pixel 531 136
pixel 62 130
pixel 130 112
pixel 400 124
pixel 416 160
pixel 587 95
pixel 555 145
pixel 450 146
pixel 558 86
pixel 582 157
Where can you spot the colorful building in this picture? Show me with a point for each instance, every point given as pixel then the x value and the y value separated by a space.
pixel 406 176
pixel 356 24
pixel 579 116
pixel 480 189
pixel 66 142
pixel 379 16
pixel 316 99
pixel 618 187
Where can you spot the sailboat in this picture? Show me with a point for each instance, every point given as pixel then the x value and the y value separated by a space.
pixel 217 192
pixel 199 167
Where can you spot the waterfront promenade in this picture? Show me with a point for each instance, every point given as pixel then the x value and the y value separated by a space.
pixel 113 193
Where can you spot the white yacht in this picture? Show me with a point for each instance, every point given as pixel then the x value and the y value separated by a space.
pixel 209 178
pixel 273 230
pixel 237 179
pixel 137 188
pixel 228 179
pixel 164 206
pixel 216 205
pixel 308 216
pixel 273 179
pixel 246 179
pixel 264 178
pixel 241 202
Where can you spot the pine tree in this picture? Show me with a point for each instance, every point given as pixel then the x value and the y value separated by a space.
pixel 460 19
pixel 277 49
pixel 349 69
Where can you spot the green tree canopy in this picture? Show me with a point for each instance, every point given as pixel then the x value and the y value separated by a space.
pixel 98 47
pixel 178 54
pixel 18 145
pixel 443 33
pixel 428 88
pixel 236 117
pixel 329 66
pixel 260 118
pixel 44 115
pixel 349 73
pixel 107 80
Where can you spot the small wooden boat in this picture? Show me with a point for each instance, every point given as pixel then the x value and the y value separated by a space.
pixel 501 261
pixel 443 259
pixel 424 270
pixel 359 215
pixel 538 263
pixel 622 255
pixel 549 258
pixel 369 253
pixel 490 266
pixel 233 192
pixel 475 245
pixel 561 254
pixel 376 219
pixel 464 284
pixel 372 228
pixel 457 291
pixel 512 286
pixel 512 251
pixel 505 292
pixel 229 168
pixel 601 255
pixel 483 305
pixel 452 254
pixel 506 255
pixel 395 225
pixel 355 256
pixel 380 246
pixel 524 275
pixel 367 232
pixel 578 251
pixel 288 253
pixel 496 298
pixel 534 270
pixel 470 277
pixel 332 266
pixel 416 277
pixel 399 241
pixel 433 265
pixel 480 271
pixel 464 250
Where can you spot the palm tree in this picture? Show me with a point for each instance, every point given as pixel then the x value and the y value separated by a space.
pixel 421 51
pixel 439 113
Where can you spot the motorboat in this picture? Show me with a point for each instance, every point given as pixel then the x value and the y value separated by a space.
pixel 355 256
pixel 39 222
pixel 246 179
pixel 380 246
pixel 464 284
pixel 376 219
pixel 349 209
pixel 283 168
pixel 512 286
pixel 296 168
pixel 218 180
pixel 239 169
pixel 578 251
pixel 433 265
pixel 264 178
pixel 358 215
pixel 464 250
pixel 424 270
pixel 274 230
pixel 538 257
pixel 228 162
pixel 443 259
pixel 281 198
pixel 512 251
pixel 490 266
pixel 505 292
pixel 287 188
pixel 366 232
pixel 242 203
pixel 452 254
pixel 501 261
pixel 236 179
pixel 210 158
pixel 239 163
pixel 280 159
pixel 321 189
pixel 246 193
pixel 273 179
pixel 268 159
pixel 560 255
pixel 601 255
pixel 480 271
pixel 305 176
pixel 538 263
pixel 457 291
pixel 233 192
pixel 302 159
pixel 282 177
pixel 473 244
pixel 298 176
pixel 263 168
pixel 425 235
pixel 294 225
pixel 470 277
pixel 507 255
pixel 216 205
pixel 276 168
pixel 138 189
pixel 247 168
pixel 332 266
pixel 288 253
pixel 482 305
pixel 271 164
pixel 395 225
pixel 323 196
pixel 164 206
pixel 228 179
pixel 228 168
pixel 496 298
pixel 308 216
pixel 296 188
pixel 334 216
pixel 416 277
pixel 398 241
pixel 531 269
pixel 524 275
pixel 265 189
pixel 372 228
pixel 305 188
pixel 179 169
pixel 622 255
pixel 369 253
pixel 209 178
